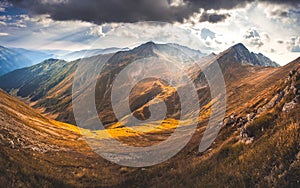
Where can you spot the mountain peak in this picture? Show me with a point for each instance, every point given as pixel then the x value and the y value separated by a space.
pixel 145 49
pixel 240 47
pixel 244 56
pixel 149 44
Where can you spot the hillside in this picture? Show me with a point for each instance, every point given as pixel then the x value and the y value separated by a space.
pixel 39 151
pixel 258 144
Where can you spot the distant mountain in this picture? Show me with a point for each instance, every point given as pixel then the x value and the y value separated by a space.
pixel 244 56
pixel 16 58
pixel 11 60
pixel 56 53
pixel 34 56
pixel 89 53
pixel 196 54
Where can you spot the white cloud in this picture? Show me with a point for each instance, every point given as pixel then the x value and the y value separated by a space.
pixel 5 18
pixel 44 20
pixel 278 12
pixel 41 32
pixel 3 34
pixel 3 23
pixel 177 3
pixel 270 28
pixel 53 2
pixel 254 39
pixel 294 44
pixel 133 34
pixel 96 31
pixel 3 5
pixel 102 30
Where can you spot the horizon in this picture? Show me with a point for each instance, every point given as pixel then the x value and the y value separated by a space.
pixel 132 47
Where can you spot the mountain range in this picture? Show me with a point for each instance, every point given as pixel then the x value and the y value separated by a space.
pixel 71 56
pixel 258 145
pixel 42 84
pixel 16 58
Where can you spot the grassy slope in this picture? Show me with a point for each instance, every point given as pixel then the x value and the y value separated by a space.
pixel 37 151
pixel 273 159
pixel 67 160
pixel 51 153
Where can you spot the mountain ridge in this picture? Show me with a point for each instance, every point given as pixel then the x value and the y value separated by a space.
pixel 244 56
pixel 89 53
pixel 49 86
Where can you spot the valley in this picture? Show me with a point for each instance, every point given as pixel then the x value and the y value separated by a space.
pixel 258 144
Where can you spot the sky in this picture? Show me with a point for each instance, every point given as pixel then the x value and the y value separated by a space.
pixel 265 26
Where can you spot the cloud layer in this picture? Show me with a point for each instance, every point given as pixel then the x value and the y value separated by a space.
pixel 102 11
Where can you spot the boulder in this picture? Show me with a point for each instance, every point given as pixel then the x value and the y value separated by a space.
pixel 250 117
pixel 289 106
pixel 229 121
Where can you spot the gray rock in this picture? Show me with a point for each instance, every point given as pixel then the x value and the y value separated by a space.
pixel 289 106
pixel 250 117
pixel 229 121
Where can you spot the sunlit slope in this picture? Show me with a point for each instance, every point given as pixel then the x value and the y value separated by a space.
pixel 259 141
pixel 36 150
pixel 39 151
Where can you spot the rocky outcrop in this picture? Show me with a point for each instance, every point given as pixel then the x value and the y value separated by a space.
pixel 231 120
pixel 289 106
pixel 242 123
pixel 294 89
pixel 275 100
pixel 244 137
pixel 244 56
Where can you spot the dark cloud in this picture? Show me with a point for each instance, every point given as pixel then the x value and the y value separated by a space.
pixel 213 17
pixel 100 11
pixel 279 13
pixel 291 2
pixel 280 42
